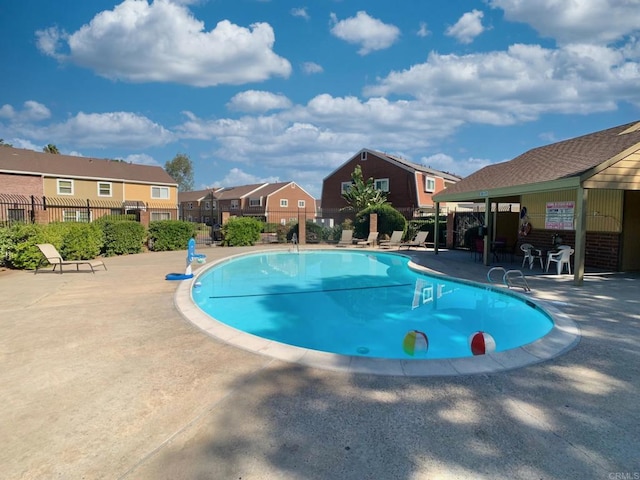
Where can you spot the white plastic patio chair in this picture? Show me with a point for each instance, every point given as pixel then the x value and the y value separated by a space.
pixel 531 253
pixel 561 258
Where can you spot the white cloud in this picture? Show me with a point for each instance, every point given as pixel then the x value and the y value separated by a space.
pixel 460 167
pixel 163 42
pixel 236 177
pixel 519 84
pixel 576 21
pixel 300 12
pixel 141 159
pixel 32 112
pixel 423 31
pixel 467 28
pixel 310 68
pixel 368 32
pixel 258 101
pixel 101 130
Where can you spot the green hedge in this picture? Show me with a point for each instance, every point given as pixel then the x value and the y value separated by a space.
pixel 241 231
pixel 169 235
pixel 389 220
pixel 122 237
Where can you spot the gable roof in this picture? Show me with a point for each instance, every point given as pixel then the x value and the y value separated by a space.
pixel 233 193
pixel 29 162
pixel 565 163
pixel 196 195
pixel 402 163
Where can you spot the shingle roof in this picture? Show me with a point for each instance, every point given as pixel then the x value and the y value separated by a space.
pixel 232 193
pixel 418 167
pixel 16 160
pixel 569 158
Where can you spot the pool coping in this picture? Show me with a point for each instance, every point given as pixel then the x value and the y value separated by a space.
pixel 564 336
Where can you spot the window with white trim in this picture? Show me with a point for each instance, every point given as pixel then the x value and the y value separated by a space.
pixel 160 192
pixel 382 184
pixel 301 203
pixel 65 187
pixel 207 205
pixel 345 187
pixel 363 155
pixel 429 184
pixel 189 205
pixel 255 202
pixel 235 204
pixel 81 216
pixel 284 202
pixel 157 216
pixel 104 189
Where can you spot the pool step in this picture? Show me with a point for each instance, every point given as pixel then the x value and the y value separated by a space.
pixel 510 278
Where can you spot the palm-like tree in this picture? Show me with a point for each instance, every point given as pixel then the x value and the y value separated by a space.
pixel 363 193
pixel 51 148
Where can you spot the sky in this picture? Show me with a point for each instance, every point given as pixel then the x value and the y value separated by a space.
pixel 277 90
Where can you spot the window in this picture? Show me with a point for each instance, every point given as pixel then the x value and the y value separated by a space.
pixel 190 206
pixel 15 214
pixel 284 202
pixel 345 187
pixel 214 205
pixel 160 192
pixel 382 184
pixel 75 216
pixel 301 203
pixel 207 205
pixel 363 155
pixel 156 216
pixel 429 184
pixel 104 189
pixel 235 204
pixel 255 202
pixel 65 187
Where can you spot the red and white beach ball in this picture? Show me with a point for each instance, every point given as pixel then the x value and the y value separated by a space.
pixel 481 343
pixel 415 343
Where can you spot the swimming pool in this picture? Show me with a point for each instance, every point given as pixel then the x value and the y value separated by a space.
pixel 363 304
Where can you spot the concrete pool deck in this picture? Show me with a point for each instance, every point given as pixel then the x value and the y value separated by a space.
pixel 102 377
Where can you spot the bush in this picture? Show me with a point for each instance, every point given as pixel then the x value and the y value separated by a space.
pixel 241 231
pixel 170 235
pixel 389 219
pixel 81 241
pixel 122 237
pixel 314 232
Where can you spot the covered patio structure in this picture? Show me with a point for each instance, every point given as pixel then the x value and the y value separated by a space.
pixel 585 189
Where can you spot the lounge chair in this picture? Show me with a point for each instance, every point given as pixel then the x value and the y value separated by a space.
pixel 346 239
pixel 371 240
pixel 54 258
pixel 394 241
pixel 418 241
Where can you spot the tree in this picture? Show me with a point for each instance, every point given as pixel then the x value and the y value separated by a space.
pixel 51 148
pixel 363 194
pixel 3 144
pixel 181 170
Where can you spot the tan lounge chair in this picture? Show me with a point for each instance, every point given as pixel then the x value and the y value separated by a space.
pixel 54 258
pixel 346 239
pixel 394 241
pixel 418 241
pixel 371 240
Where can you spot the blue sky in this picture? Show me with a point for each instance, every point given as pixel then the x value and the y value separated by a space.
pixel 258 90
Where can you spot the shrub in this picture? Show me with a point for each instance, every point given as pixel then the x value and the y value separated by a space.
pixel 80 241
pixel 170 235
pixel 22 251
pixel 241 231
pixel 122 237
pixel 389 219
pixel 314 232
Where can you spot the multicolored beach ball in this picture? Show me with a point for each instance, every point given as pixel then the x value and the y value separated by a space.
pixel 415 343
pixel 481 343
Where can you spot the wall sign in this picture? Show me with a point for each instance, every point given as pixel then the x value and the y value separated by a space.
pixel 559 215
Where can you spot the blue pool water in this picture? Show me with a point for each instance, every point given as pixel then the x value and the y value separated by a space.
pixel 361 303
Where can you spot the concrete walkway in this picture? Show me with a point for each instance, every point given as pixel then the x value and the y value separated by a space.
pixel 102 378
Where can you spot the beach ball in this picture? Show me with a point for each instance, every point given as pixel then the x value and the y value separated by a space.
pixel 415 343
pixel 481 343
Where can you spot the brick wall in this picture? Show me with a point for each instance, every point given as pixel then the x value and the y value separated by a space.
pixel 602 248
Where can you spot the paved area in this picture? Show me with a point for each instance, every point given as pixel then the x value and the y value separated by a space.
pixel 103 378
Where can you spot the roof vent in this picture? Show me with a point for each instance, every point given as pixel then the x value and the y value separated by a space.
pixel 632 128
